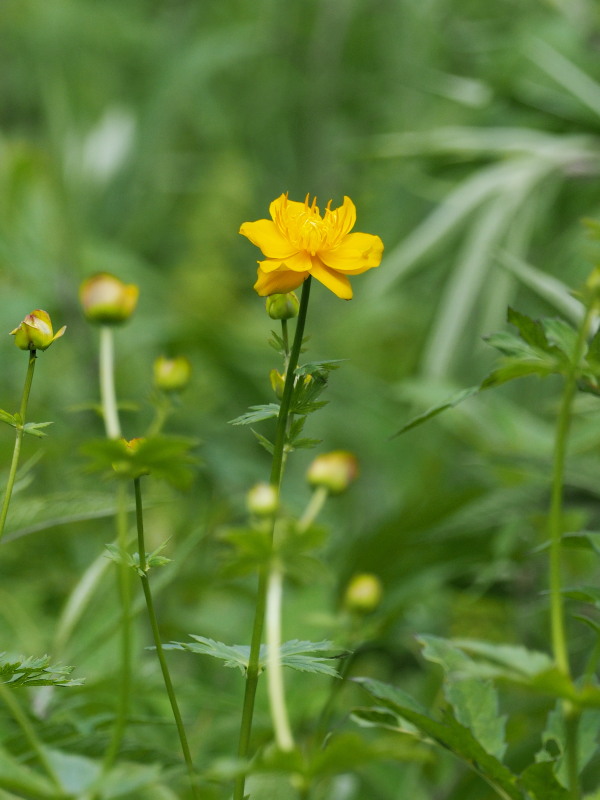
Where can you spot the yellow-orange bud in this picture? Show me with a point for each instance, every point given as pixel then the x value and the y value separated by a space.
pixel 107 300
pixel 172 374
pixel 334 471
pixel 35 332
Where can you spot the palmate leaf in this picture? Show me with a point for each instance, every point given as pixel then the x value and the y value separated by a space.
pixel 293 654
pixel 34 671
pixel 449 733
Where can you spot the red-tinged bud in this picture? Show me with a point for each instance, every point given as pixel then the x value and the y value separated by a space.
pixel 35 332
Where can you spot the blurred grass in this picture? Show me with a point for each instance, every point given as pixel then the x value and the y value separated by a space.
pixel 136 138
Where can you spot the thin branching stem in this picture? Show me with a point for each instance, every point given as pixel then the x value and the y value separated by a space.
pixel 18 440
pixel 263 576
pixel 160 653
pixel 555 531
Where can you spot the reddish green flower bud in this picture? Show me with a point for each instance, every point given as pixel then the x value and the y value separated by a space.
pixel 333 471
pixel 283 306
pixel 363 593
pixel 35 332
pixel 277 382
pixel 262 500
pixel 107 300
pixel 172 374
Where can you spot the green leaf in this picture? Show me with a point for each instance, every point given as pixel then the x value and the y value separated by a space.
pixel 540 782
pixel 251 550
pixel 448 733
pixel 561 334
pixel 319 366
pixel 555 735
pixel 33 428
pixel 264 442
pixel 293 654
pixel 257 414
pixel 18 777
pixel 518 368
pixel 593 353
pixel 165 457
pixel 510 345
pixel 437 409
pixel 8 418
pixel 531 331
pixel 34 671
pixel 474 701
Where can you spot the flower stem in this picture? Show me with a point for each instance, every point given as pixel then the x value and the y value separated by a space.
pixel 275 685
pixel 555 532
pixel 125 600
pixel 156 635
pixel 263 575
pixel 107 383
pixel 31 736
pixel 18 440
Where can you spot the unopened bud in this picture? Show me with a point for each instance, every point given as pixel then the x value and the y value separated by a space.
pixel 125 467
pixel 172 374
pixel 277 382
pixel 107 300
pixel 262 500
pixel 334 471
pixel 282 306
pixel 363 593
pixel 35 332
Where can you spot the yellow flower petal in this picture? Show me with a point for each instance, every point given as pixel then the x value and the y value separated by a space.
pixel 299 262
pixel 356 253
pixel 265 234
pixel 280 281
pixel 338 283
pixel 341 221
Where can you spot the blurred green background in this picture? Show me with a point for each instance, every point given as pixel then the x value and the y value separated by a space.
pixel 136 138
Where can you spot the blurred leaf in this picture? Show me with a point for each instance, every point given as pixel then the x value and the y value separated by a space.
pixel 539 780
pixel 449 734
pixel 437 409
pixel 474 702
pixel 18 777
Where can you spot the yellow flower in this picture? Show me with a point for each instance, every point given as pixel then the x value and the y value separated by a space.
pixel 35 332
pixel 297 242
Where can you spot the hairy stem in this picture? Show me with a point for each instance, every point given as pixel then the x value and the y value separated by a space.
pixel 263 576
pixel 18 440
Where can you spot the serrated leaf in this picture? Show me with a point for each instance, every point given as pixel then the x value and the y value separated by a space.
pixel 555 734
pixel 34 671
pixel 474 701
pixel 293 654
pixel 448 733
pixel 530 330
pixel 264 442
pixel 257 414
pixel 561 334
pixel 319 366
pixel 305 444
pixel 33 428
pixel 510 345
pixel 518 368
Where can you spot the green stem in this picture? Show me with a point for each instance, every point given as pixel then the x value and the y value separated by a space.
pixel 555 531
pixel 18 441
pixel 156 635
pixel 124 588
pixel 275 682
pixel 263 576
pixel 107 383
pixel 31 736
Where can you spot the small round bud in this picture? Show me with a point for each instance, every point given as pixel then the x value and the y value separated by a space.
pixel 363 593
pixel 262 500
pixel 107 300
pixel 283 306
pixel 172 374
pixel 35 332
pixel 277 382
pixel 333 471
